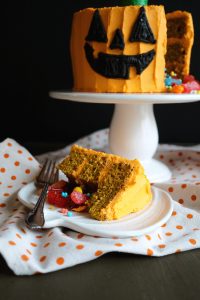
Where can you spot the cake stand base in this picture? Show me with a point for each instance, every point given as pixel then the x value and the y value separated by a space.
pixel 156 171
pixel 133 129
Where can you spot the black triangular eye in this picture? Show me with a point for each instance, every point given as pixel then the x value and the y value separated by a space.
pixel 97 31
pixel 118 40
pixel 141 30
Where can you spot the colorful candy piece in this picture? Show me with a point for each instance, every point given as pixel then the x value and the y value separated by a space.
pixel 69 214
pixel 78 189
pixel 78 198
pixel 64 194
pixel 64 211
pixel 178 89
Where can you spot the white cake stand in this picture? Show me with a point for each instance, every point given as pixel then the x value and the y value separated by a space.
pixel 133 129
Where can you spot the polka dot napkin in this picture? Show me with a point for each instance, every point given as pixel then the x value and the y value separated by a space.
pixel 27 252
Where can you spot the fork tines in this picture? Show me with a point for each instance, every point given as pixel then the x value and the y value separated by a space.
pixel 48 173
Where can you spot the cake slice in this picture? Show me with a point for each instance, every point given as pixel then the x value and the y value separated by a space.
pixel 118 186
pixel 180 38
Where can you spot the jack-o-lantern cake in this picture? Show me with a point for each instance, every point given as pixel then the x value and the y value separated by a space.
pixel 119 49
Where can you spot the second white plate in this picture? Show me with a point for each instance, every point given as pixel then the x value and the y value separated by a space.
pixel 149 219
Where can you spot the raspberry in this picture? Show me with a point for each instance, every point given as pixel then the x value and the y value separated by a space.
pixel 188 78
pixel 54 197
pixel 78 198
pixel 59 185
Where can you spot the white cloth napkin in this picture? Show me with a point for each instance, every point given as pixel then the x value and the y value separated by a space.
pixel 27 252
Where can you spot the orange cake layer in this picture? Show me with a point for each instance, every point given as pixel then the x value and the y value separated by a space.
pixel 118 23
pixel 180 34
pixel 118 186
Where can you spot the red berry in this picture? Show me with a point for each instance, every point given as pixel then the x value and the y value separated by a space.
pixel 54 197
pixel 188 78
pixel 59 185
pixel 78 198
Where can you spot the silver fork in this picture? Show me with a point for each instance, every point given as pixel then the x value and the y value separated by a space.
pixel 47 176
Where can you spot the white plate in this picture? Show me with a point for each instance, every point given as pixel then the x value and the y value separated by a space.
pixel 153 216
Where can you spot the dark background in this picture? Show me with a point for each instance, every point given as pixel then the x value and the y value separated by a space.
pixel 37 45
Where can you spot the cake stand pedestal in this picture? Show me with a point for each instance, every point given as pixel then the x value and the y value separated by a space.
pixel 133 130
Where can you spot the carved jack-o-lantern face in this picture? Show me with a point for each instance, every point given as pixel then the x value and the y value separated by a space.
pixel 119 49
pixel 118 66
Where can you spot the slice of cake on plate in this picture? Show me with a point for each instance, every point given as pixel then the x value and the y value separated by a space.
pixel 118 186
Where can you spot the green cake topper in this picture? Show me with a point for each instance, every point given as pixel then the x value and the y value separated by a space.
pixel 135 2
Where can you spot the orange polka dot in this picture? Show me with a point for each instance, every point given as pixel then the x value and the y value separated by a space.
pixel 13 177
pixel 16 163
pixel 6 155
pixel 27 171
pixel 162 246
pixel 164 225
pixel 30 158
pixel 179 227
pixel 148 237
pixel 62 244
pixel 18 235
pixel 24 257
pixel 195 229
pixel 149 252
pixel 43 258
pixel 180 154
pixel 39 236
pixel 178 251
pixel 6 194
pixel 168 233
pixel 181 201
pixel 33 244
pixel 60 260
pixel 9 144
pixel 23 230
pixel 20 151
pixel 184 186
pixel 80 235
pixel 161 156
pixel 174 213
pixel 170 189
pixel 46 245
pixel 2 205
pixel 50 233
pixel 192 241
pixel 134 239
pixel 189 216
pixel 118 245
pixel 79 247
pixel 9 186
pixel 193 197
pixel 98 253
pixel 2 170
pixel 12 243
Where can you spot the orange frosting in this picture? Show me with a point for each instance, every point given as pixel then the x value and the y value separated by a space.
pixel 124 18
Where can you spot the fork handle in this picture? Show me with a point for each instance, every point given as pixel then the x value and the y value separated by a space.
pixel 35 218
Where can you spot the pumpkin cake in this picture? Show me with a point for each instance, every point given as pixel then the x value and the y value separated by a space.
pixel 117 185
pixel 119 49
pixel 180 38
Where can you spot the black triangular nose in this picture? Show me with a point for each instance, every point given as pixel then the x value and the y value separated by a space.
pixel 118 40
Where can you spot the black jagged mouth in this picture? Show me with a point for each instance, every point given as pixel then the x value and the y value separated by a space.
pixel 117 66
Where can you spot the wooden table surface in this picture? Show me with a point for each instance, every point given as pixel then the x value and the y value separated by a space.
pixel 112 276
